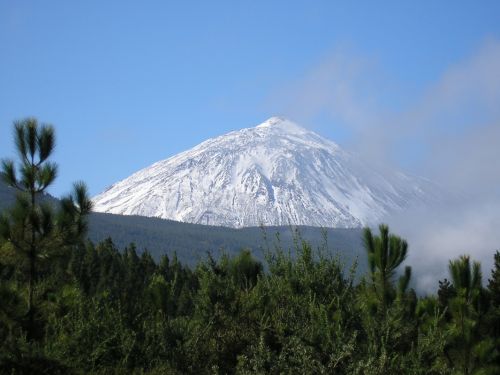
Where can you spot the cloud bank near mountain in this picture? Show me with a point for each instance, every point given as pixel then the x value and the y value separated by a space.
pixel 448 131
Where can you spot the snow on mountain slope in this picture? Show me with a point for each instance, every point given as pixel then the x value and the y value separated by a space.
pixel 277 173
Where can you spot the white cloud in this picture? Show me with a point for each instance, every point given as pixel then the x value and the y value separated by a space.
pixel 454 125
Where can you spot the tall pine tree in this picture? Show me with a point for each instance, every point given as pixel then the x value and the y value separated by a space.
pixel 33 227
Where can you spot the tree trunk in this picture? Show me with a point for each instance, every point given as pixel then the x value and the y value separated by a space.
pixel 32 273
pixel 31 287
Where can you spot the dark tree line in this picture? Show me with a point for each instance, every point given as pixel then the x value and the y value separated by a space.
pixel 70 306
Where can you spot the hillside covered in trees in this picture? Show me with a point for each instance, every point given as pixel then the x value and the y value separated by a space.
pixel 191 242
pixel 71 306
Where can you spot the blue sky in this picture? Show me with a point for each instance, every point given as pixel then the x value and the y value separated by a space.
pixel 130 83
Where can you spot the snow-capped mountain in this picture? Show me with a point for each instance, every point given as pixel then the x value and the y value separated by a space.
pixel 277 173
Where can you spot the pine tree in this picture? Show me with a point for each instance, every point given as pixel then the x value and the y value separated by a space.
pixel 494 281
pixel 386 253
pixel 32 227
pixel 494 294
pixel 465 308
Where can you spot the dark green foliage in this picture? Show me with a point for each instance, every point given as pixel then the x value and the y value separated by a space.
pixel 390 317
pixel 192 241
pixel 469 349
pixel 492 318
pixel 32 228
pixel 109 311
pixel 445 292
pixel 386 253
pixel 494 281
pixel 494 294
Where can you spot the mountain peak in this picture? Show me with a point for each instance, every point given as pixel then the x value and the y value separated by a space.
pixel 281 123
pixel 277 173
pixel 271 121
